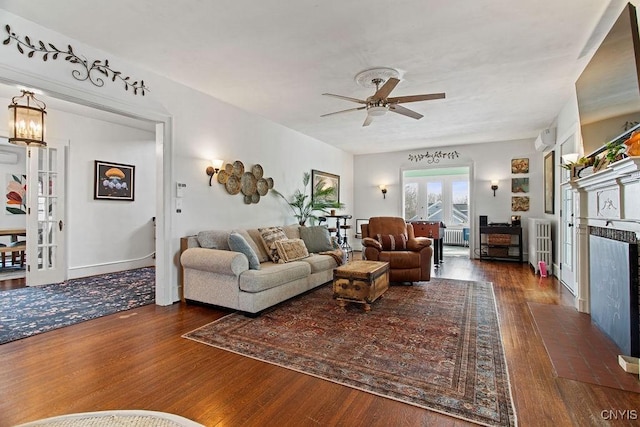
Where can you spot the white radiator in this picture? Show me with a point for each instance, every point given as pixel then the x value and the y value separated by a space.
pixel 540 243
pixel 453 237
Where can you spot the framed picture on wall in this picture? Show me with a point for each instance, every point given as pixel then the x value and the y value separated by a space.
pixel 324 180
pixel 113 181
pixel 520 165
pixel 549 182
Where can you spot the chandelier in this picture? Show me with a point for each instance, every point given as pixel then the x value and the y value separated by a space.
pixel 26 122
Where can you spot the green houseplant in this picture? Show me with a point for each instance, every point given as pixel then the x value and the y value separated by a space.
pixel 302 204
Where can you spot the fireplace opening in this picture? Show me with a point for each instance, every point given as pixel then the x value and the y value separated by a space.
pixel 614 276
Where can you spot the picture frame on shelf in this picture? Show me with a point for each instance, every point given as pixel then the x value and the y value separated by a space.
pixel 113 181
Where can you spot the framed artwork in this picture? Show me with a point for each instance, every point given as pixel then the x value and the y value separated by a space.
pixel 519 185
pixel 549 182
pixel 113 181
pixel 16 194
pixel 328 180
pixel 520 203
pixel 519 165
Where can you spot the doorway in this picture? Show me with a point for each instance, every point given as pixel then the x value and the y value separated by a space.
pixel 159 127
pixel 441 195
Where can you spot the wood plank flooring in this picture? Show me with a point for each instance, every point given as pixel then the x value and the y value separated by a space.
pixel 138 360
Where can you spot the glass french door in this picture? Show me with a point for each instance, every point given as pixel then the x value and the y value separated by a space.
pixel 567 274
pixel 45 215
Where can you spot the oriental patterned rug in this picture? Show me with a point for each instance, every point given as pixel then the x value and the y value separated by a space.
pixel 29 311
pixel 435 345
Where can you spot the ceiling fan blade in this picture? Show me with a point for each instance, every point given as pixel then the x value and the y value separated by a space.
pixel 405 111
pixel 416 98
pixel 343 111
pixel 386 88
pixel 368 120
pixel 346 98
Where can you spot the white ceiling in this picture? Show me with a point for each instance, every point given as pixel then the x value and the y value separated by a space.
pixel 507 67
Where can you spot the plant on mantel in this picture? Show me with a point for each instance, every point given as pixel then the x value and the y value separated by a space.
pixel 304 206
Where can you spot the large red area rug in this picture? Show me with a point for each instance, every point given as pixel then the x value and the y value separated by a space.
pixel 435 345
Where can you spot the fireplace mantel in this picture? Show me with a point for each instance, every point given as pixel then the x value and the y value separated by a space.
pixel 608 199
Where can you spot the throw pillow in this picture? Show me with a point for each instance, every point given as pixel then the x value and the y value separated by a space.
pixel 392 242
pixel 269 237
pixel 291 250
pixel 214 239
pixel 316 238
pixel 238 243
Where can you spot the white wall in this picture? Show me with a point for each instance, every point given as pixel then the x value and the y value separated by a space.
pixel 19 168
pixel 488 162
pixel 202 128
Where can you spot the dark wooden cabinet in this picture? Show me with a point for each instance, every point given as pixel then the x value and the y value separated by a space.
pixel 501 243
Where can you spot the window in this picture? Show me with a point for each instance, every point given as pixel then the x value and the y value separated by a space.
pixel 459 202
pixel 434 201
pixel 410 201
pixel 437 195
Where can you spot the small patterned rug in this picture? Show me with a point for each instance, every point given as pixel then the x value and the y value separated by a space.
pixel 29 311
pixel 435 345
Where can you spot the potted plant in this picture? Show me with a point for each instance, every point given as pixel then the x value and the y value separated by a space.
pixel 303 205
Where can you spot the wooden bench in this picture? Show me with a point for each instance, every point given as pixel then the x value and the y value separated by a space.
pixel 15 250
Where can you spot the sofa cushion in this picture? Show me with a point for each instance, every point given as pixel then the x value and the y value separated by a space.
pixel 256 246
pixel 272 275
pixel 269 236
pixel 263 256
pixel 392 242
pixel 320 263
pixel 214 239
pixel 316 238
pixel 291 250
pixel 292 231
pixel 238 243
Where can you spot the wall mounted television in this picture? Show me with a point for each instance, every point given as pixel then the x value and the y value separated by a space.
pixel 608 90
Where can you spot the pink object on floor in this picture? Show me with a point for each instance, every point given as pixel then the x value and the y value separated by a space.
pixel 542 266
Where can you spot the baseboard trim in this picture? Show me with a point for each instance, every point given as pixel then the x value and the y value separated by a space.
pixel 111 267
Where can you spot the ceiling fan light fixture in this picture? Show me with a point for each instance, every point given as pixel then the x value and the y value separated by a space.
pixel 377 110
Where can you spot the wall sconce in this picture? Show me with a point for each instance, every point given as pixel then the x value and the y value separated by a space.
pixel 26 122
pixel 213 169
pixel 494 187
pixel 383 188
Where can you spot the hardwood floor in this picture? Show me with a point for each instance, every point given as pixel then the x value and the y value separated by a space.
pixel 138 360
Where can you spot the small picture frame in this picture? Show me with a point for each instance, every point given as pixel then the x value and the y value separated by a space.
pixel 113 181
pixel 330 181
pixel 520 203
pixel 519 185
pixel 520 165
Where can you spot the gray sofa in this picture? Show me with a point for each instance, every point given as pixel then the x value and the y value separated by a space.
pixel 215 274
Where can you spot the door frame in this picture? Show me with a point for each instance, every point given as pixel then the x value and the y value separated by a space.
pixel 166 293
pixel 472 207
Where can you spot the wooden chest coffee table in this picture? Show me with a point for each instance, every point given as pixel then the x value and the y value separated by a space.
pixel 360 281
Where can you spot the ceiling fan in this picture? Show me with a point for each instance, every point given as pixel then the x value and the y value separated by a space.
pixel 379 103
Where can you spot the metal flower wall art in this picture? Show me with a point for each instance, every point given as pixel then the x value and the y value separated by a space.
pixel 91 71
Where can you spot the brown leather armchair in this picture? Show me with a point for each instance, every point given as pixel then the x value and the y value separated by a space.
pixel 392 240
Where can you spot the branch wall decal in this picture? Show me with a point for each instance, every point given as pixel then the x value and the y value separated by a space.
pixel 434 157
pixel 88 71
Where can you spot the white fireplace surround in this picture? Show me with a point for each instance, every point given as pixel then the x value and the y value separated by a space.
pixel 609 199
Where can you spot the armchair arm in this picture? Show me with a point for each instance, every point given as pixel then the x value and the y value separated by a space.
pixel 371 243
pixel 418 243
